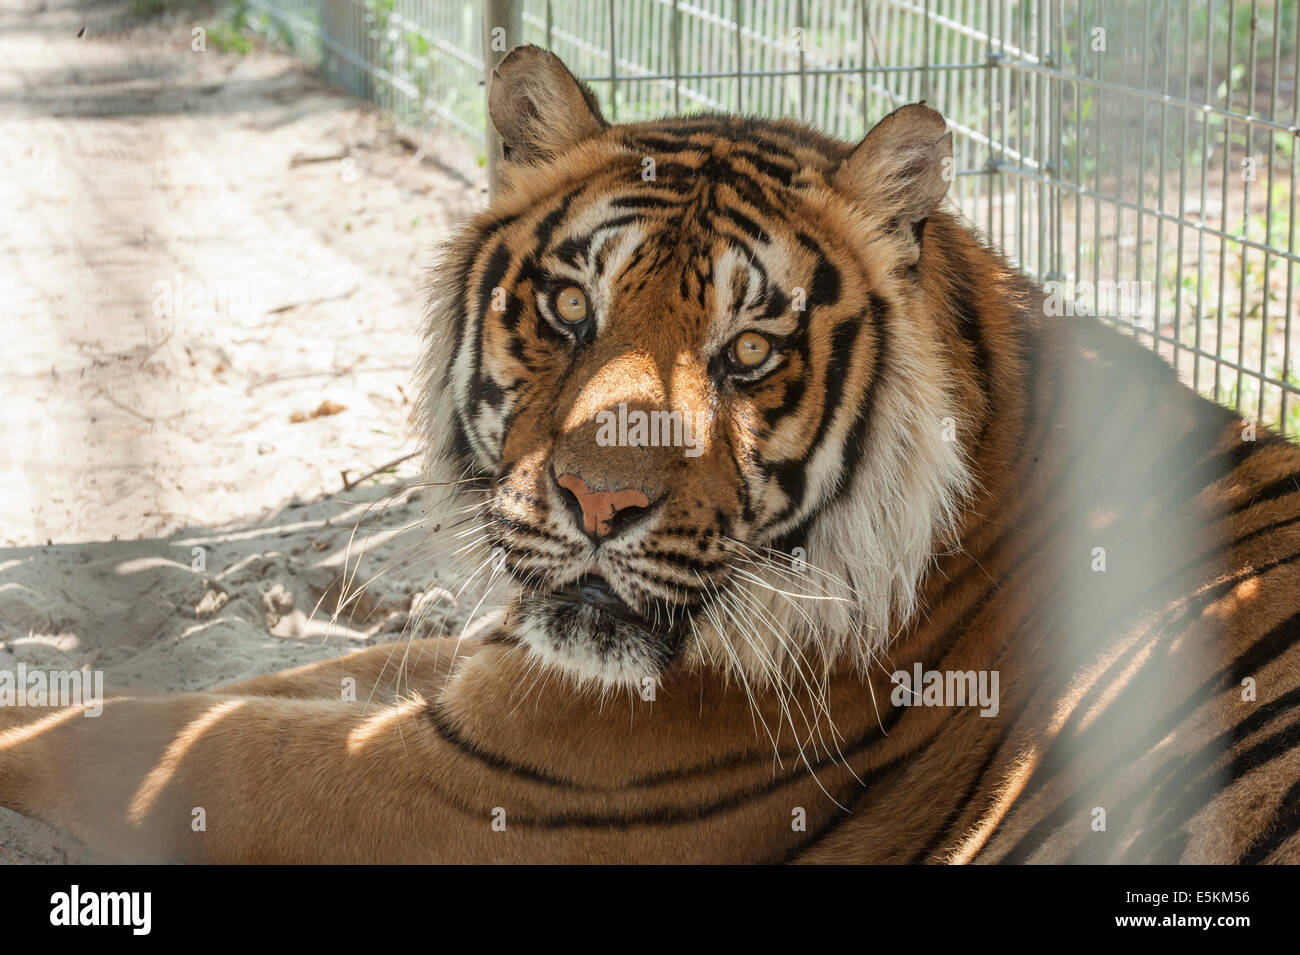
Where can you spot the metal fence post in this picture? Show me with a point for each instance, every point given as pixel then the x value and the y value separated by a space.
pixel 503 30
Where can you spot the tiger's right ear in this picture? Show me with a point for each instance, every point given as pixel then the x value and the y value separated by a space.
pixel 903 167
pixel 538 107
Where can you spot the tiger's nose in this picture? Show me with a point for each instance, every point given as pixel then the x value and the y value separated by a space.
pixel 602 512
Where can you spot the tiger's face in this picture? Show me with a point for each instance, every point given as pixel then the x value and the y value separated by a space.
pixel 666 386
pixel 664 365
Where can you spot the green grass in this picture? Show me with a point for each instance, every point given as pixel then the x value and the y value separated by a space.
pixel 226 36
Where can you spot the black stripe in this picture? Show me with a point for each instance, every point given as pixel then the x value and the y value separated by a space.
pixel 1266 648
pixel 646 201
pixel 666 172
pixel 1284 825
pixel 856 443
pixel 963 296
pixel 782 174
pixel 493 273
pixel 661 143
pixel 793 393
pixel 546 227
pixel 1212 469
pixel 790 473
pixel 967 319
pixel 947 829
pixel 1172 780
pixel 1272 491
pixel 753 195
pixel 665 816
pixel 747 225
pixel 450 735
pixel 1202 792
pixel 837 817
pixel 825 289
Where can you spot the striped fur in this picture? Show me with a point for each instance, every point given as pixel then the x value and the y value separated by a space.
pixel 736 231
pixel 955 464
pixel 1121 689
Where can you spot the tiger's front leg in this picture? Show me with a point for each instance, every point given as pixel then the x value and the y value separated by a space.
pixel 281 767
pixel 374 675
pixel 206 777
pixel 493 768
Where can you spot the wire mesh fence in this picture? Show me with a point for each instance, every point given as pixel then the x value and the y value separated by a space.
pixel 1138 157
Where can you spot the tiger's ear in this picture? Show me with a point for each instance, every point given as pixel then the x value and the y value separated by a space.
pixel 539 107
pixel 902 167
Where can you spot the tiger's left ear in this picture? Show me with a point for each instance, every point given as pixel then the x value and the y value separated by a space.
pixel 539 107
pixel 902 168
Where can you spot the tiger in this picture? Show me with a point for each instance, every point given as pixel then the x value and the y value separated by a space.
pixel 823 540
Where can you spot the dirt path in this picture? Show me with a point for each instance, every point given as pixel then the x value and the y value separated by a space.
pixel 147 184
pixel 199 251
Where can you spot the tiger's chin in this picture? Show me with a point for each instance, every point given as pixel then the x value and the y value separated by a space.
pixel 587 632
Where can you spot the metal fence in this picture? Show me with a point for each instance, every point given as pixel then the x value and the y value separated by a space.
pixel 1137 156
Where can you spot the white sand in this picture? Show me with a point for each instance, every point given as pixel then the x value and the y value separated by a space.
pixel 162 516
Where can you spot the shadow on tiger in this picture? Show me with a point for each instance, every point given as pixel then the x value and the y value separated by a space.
pixel 823 540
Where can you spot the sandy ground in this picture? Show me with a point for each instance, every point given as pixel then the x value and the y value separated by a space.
pixel 211 286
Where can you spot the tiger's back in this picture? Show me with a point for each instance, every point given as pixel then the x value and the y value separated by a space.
pixel 1132 574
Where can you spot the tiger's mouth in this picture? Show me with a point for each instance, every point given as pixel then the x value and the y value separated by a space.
pixel 585 627
pixel 593 590
pixel 592 594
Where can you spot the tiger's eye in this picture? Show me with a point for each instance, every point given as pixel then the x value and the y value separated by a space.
pixel 571 304
pixel 750 349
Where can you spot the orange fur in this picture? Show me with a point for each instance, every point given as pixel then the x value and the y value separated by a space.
pixel 1121 689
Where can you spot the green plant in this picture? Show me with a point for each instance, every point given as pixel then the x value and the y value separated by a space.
pixel 153 8
pixel 227 37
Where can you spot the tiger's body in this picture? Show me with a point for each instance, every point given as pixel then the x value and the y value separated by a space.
pixel 985 490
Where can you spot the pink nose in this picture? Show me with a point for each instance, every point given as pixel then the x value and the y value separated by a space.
pixel 599 507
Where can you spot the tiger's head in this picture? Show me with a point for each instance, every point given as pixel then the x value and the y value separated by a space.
pixel 686 371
